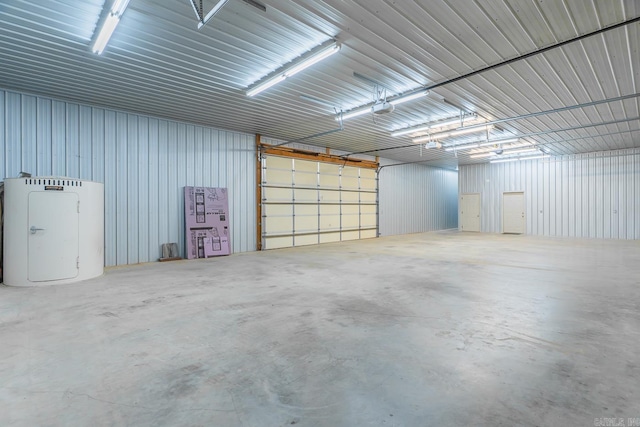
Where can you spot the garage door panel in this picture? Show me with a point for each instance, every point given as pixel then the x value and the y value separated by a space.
pixel 277 194
pixel 350 196
pixel 368 234
pixel 327 196
pixel 278 171
pixel 306 179
pixel 307 210
pixel 351 235
pixel 329 237
pixel 278 224
pixel 277 210
pixel 368 185
pixel 304 195
pixel 329 175
pixel 306 240
pixel 278 179
pixel 367 197
pixel 369 174
pixel 368 209
pixel 350 171
pixel 306 222
pixel 350 220
pixel 329 181
pixel 350 183
pixel 350 209
pixel 306 166
pixel 278 242
pixel 326 210
pixel 329 169
pixel 367 221
pixel 329 222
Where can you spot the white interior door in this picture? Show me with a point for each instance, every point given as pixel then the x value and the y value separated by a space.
pixel 53 236
pixel 470 212
pixel 513 220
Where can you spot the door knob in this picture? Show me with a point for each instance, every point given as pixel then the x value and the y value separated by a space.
pixel 35 229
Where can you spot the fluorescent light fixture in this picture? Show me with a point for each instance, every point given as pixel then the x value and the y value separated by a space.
pixel 316 57
pixel 354 113
pixel 109 25
pixel 212 12
pixel 478 144
pixel 295 68
pixel 406 98
pixel 482 155
pixel 517 159
pixel 432 125
pixel 119 7
pixel 367 108
pixel 499 141
pixel 266 85
pixel 504 153
pixel 520 151
pixel 455 132
pixel 462 147
pixel 534 157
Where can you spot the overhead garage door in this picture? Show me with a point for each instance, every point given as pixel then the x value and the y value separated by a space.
pixel 308 202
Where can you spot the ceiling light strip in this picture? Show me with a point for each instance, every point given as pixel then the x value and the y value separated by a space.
pixel 435 125
pixel 505 152
pixel 454 132
pixel 478 144
pixel 109 25
pixel 520 151
pixel 354 113
pixel 359 111
pixel 295 67
pixel 517 159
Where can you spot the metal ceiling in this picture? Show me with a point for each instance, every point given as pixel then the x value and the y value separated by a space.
pixel 159 63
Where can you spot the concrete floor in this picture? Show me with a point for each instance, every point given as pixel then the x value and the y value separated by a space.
pixel 436 328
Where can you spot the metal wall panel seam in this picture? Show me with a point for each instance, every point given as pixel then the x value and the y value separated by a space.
pixel 133 190
pixel 3 136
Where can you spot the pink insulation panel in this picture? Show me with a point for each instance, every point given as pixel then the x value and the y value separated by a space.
pixel 207 222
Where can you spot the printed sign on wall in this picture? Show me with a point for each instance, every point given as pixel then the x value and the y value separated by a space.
pixel 207 221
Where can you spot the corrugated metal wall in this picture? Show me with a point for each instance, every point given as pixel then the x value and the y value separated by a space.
pixel 144 163
pixel 416 198
pixel 593 195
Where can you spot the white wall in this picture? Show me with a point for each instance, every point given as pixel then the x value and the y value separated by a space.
pixel 594 195
pixel 415 198
pixel 144 162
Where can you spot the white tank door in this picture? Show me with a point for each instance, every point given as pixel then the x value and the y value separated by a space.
pixel 53 236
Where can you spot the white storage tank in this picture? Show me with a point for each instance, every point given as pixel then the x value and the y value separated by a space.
pixel 53 230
